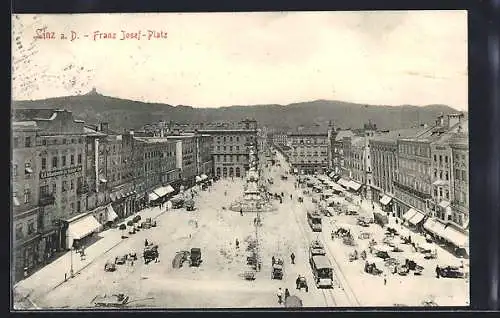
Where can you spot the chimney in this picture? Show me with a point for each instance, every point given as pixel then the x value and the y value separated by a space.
pixel 103 127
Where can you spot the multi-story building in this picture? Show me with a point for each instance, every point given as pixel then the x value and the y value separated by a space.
pixel 383 149
pixel 413 182
pixel 337 150
pixel 28 219
pixel 186 145
pixel 442 167
pixel 460 179
pixel 161 175
pixel 308 152
pixel 280 137
pixel 204 160
pixel 230 148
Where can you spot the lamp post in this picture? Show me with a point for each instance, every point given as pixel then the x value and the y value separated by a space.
pixel 71 273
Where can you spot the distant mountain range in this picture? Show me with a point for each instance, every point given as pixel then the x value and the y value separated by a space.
pixel 122 113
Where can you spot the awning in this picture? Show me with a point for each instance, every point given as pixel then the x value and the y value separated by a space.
pixel 153 196
pixel 204 177
pixel 160 191
pixel 81 228
pixel 444 204
pixel 409 214
pixel 16 201
pixel 385 200
pixel 28 170
pixel 343 182
pixel 197 178
pixel 354 185
pixel 455 237
pixel 112 216
pixel 103 180
pixel 113 197
pixel 417 218
pixel 169 189
pixel 434 226
pixel 336 187
pixel 332 175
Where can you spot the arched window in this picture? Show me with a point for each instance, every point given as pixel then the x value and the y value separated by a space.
pixel 231 172
pixel 238 172
pixel 224 172
pixel 218 171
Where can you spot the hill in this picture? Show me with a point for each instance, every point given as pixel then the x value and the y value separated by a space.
pixel 123 113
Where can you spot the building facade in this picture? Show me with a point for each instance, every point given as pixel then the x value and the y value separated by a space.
pixel 308 153
pixel 460 180
pixel 230 148
pixel 337 150
pixel 29 249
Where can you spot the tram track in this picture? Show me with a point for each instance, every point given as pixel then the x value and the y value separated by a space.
pixel 328 295
pixel 351 298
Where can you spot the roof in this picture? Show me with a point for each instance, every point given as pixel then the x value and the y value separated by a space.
pixel 24 124
pixel 343 133
pixel 26 114
pixel 394 135
pixel 305 131
pixel 152 139
pixel 358 141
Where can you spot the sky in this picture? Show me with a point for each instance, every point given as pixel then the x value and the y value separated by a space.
pixel 223 59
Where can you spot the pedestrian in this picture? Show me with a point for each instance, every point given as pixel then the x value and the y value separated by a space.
pixel 385 279
pixel 225 193
pixel 273 260
pixel 437 271
pixel 287 293
pixel 241 211
pixel 297 282
pixel 237 243
pixel 280 296
pixel 65 276
pixel 145 242
pixel 290 197
pixel 292 258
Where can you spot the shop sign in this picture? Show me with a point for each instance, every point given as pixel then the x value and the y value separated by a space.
pixel 60 172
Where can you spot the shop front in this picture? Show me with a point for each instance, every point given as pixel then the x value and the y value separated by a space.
pixel 386 203
pixel 80 229
pixel 435 228
pixel 354 186
pixel 26 257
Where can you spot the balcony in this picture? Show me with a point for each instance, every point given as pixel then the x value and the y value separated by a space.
pixel 82 188
pixel 46 199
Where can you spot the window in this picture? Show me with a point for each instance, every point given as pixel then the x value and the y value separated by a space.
pixel 440 175
pixel 440 158
pixel 446 159
pixel 64 141
pixel 15 142
pixel 27 142
pixel 446 175
pixel 440 192
pixel 44 163
pixel 63 158
pixel 457 174
pixel 54 162
pixel 64 186
pixel 72 207
pixel 44 190
pixel 447 194
pixel 19 231
pixel 464 177
pixel 31 227
pixel 72 160
pixel 435 173
pixel 224 148
pixel 237 139
pixel 71 185
pixel 14 170
pixel 54 188
pixel 27 196
pixel 78 206
pixel 230 148
pixel 79 158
